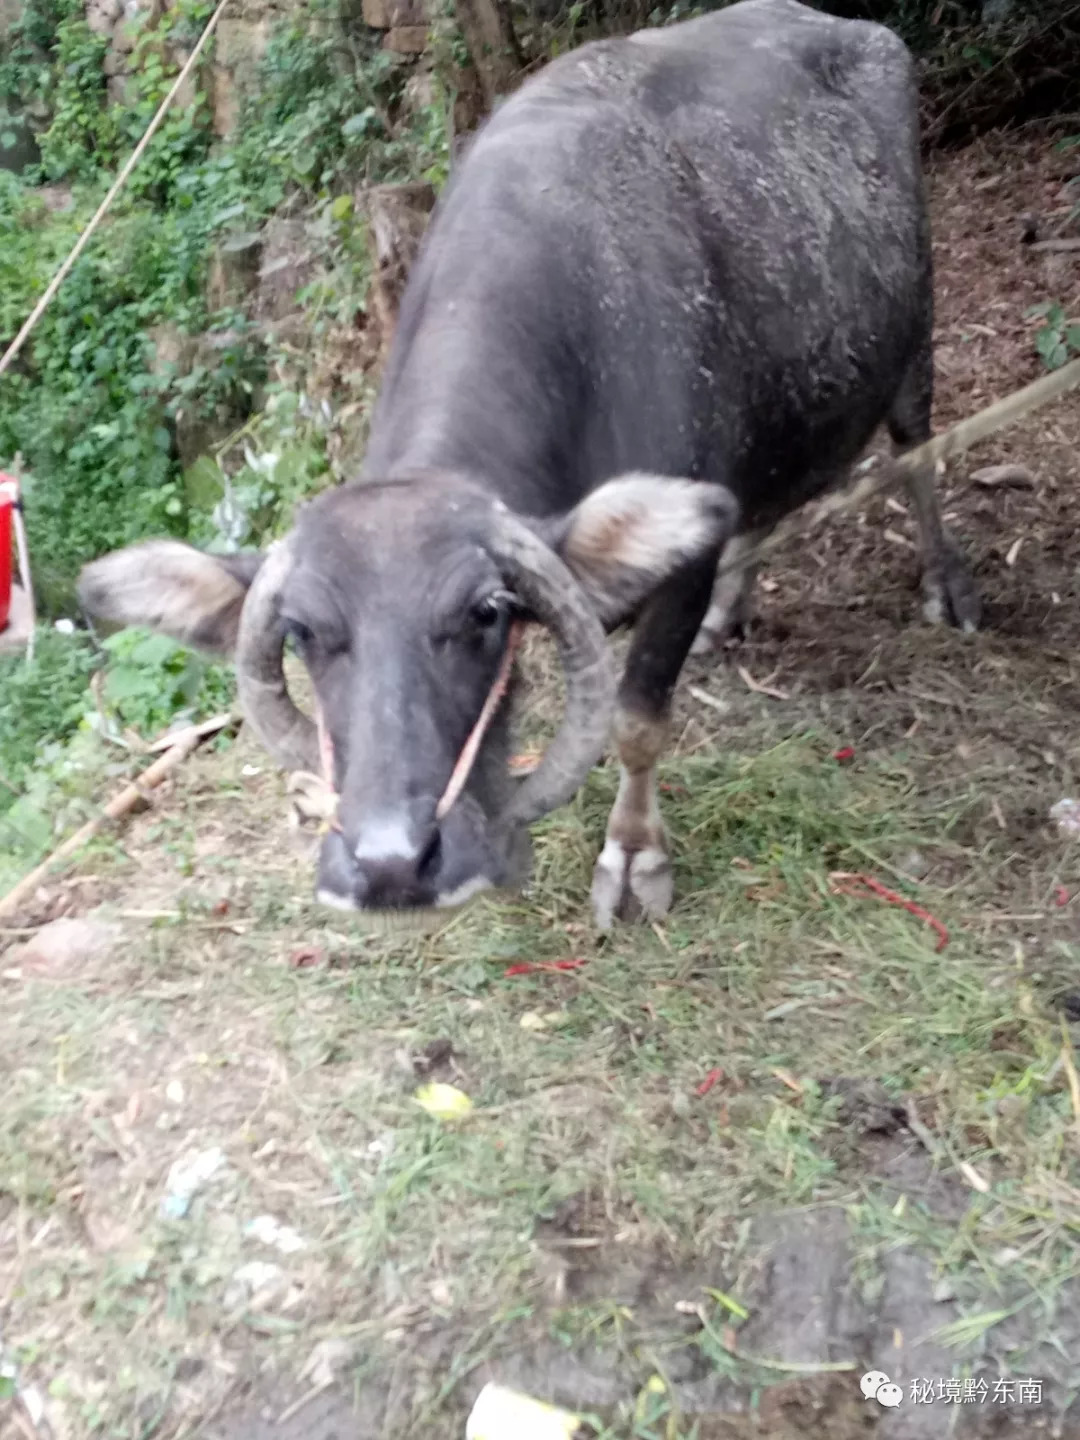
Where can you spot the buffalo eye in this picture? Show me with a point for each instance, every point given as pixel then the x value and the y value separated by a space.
pixel 300 633
pixel 492 609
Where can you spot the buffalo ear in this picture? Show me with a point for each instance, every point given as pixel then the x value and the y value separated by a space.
pixel 171 588
pixel 635 531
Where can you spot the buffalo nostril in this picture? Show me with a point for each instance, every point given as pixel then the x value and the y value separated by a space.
pixel 430 856
pixel 395 863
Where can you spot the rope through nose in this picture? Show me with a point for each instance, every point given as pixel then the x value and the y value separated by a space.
pixel 465 761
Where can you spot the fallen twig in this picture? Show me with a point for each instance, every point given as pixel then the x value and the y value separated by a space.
pixel 120 805
pixel 202 731
pixel 761 687
pixel 1059 245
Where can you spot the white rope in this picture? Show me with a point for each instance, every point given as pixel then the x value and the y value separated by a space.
pixel 117 185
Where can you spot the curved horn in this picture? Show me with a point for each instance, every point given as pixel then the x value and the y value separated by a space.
pixel 547 586
pixel 285 731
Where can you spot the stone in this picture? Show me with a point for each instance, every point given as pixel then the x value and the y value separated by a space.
pixel 394 14
pixel 407 40
pixel 173 351
pixel 234 271
pixel 62 946
pixel 102 15
pixel 398 216
pixel 419 93
pixel 286 265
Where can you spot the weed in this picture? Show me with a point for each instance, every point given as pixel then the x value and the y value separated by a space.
pixel 1057 338
pixel 40 703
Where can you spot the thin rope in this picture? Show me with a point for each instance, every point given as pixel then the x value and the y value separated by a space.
pixel 118 184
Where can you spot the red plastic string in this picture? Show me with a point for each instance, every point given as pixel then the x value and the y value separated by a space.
pixel 710 1080
pixel 529 967
pixel 844 756
pixel 882 892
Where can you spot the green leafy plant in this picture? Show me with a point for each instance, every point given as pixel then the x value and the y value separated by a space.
pixel 40 702
pixel 150 681
pixel 1058 338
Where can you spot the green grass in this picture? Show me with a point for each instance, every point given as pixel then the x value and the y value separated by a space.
pixel 446 1239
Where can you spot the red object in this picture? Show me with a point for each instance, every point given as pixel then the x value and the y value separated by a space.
pixel 307 957
pixel 9 498
pixel 844 756
pixel 529 967
pixel 856 885
pixel 710 1080
pixel 1061 896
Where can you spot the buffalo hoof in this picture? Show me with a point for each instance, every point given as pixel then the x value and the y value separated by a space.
pixel 721 628
pixel 631 885
pixel 949 594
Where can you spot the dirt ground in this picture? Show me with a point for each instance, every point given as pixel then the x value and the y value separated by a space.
pixel 713 1174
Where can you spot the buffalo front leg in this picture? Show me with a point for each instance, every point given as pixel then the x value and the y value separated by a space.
pixel 633 874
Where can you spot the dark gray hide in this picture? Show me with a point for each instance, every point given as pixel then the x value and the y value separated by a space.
pixel 698 252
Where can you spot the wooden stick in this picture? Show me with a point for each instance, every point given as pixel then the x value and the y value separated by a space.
pixel 1062 246
pixel 941 448
pixel 202 730
pixel 120 805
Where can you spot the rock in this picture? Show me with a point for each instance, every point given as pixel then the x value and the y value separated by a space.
pixel 102 15
pixel 407 40
pixel 399 216
pixel 394 14
pixel 240 46
pixel 419 93
pixel 188 1175
pixel 62 946
pixel 234 271
pixel 329 1361
pixel 172 350
pixel 269 1231
pixel 286 265
pixel 257 1282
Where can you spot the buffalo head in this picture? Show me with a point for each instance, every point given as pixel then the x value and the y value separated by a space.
pixel 400 596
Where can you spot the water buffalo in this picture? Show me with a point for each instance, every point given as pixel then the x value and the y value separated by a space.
pixel 674 286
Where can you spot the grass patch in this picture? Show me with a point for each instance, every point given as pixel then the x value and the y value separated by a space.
pixel 592 1187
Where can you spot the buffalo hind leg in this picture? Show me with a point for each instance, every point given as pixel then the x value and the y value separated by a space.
pixel 729 613
pixel 633 874
pixel 949 592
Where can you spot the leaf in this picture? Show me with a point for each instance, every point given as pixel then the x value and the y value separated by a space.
pixel 203 484
pixel 970 1328
pixel 728 1303
pixel 445 1102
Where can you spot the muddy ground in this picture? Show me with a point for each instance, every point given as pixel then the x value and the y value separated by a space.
pixel 884 1174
